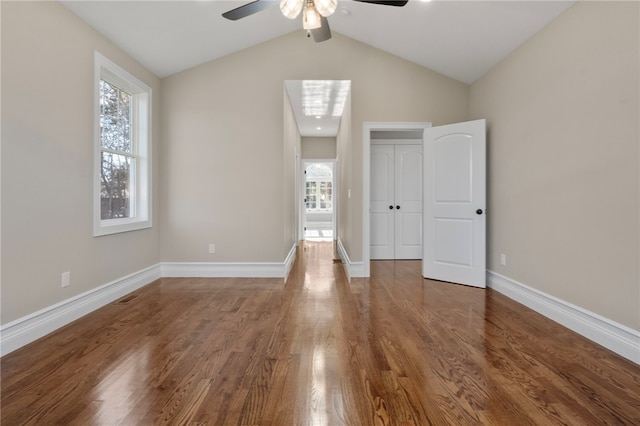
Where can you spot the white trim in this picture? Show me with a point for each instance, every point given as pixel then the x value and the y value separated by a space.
pixel 223 270
pixel 31 327
pixel 352 269
pixel 230 269
pixel 141 184
pixel 396 141
pixel 289 261
pixel 301 211
pixel 367 128
pixel 616 337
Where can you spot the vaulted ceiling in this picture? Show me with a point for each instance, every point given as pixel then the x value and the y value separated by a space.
pixel 460 39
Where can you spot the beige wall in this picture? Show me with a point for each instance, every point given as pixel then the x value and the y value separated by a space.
pixel 318 148
pixel 563 151
pixel 47 162
pixel 232 120
pixel 291 158
pixel 344 152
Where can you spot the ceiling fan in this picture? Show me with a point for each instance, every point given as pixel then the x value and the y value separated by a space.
pixel 314 13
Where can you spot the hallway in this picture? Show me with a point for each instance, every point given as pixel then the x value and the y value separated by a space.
pixel 317 350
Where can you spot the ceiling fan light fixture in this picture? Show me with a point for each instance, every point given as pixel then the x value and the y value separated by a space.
pixel 310 17
pixel 291 8
pixel 326 7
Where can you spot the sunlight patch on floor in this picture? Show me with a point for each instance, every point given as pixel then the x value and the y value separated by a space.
pixel 318 234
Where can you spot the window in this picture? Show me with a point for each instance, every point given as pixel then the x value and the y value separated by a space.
pixel 122 186
pixel 319 187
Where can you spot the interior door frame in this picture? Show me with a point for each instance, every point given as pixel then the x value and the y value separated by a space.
pixel 301 194
pixel 367 128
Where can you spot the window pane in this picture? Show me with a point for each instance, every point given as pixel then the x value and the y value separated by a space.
pixel 325 195
pixel 115 188
pixel 115 118
pixel 310 195
pixel 311 202
pixel 318 170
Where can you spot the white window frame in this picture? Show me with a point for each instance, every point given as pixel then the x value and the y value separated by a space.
pixel 318 182
pixel 140 179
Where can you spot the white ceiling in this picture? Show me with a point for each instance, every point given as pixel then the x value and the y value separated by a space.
pixel 317 105
pixel 460 39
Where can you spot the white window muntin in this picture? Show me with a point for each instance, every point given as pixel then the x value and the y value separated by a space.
pixel 140 172
pixel 313 193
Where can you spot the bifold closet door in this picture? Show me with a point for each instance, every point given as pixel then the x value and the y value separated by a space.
pixel 396 201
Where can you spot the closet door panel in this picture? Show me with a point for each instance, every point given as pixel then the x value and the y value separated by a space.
pixel 382 202
pixel 408 200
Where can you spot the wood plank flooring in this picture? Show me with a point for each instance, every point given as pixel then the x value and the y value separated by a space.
pixel 394 349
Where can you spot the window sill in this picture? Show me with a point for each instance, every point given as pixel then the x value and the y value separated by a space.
pixel 118 226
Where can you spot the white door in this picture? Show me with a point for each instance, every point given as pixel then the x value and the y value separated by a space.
pixel 382 214
pixel 408 202
pixel 455 203
pixel 396 202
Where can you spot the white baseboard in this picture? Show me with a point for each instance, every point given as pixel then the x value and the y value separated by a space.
pixel 616 337
pixel 290 260
pixel 231 269
pixel 225 270
pixel 352 269
pixel 29 328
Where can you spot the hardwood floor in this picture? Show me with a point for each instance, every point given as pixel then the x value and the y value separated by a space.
pixel 394 349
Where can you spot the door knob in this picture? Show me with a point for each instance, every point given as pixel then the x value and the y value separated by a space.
pixel 479 211
pixel 390 207
pixel 398 207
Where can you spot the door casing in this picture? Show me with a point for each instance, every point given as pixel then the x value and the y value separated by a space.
pixel 478 128
pixel 301 195
pixel 366 179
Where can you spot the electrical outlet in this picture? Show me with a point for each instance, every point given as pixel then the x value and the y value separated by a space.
pixel 503 259
pixel 212 248
pixel 65 279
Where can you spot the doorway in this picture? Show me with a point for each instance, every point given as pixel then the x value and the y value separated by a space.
pixel 318 198
pixel 317 108
pixel 373 132
pixel 454 199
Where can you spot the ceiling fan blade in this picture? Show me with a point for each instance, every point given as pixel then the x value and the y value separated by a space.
pixel 323 33
pixel 385 2
pixel 247 9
